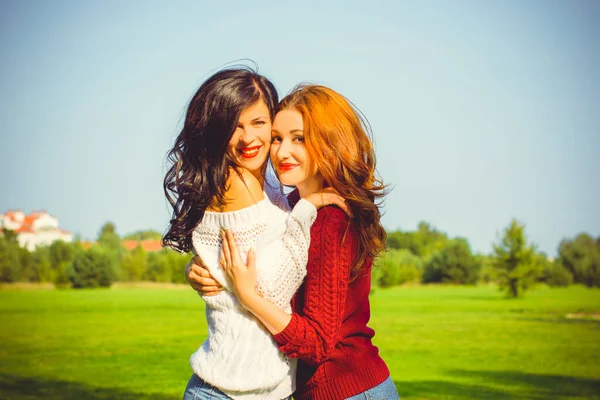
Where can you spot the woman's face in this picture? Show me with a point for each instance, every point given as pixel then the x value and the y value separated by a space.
pixel 288 151
pixel 249 145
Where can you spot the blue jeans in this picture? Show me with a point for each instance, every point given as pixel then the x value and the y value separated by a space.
pixel 197 389
pixel 383 391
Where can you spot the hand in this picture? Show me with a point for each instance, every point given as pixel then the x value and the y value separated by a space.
pixel 200 279
pixel 241 276
pixel 329 196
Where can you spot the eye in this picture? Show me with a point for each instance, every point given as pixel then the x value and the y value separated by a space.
pixel 275 139
pixel 259 123
pixel 299 139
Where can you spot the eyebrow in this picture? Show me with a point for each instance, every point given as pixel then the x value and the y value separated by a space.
pixel 257 118
pixel 292 131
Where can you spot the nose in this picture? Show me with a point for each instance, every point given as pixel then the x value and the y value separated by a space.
pixel 283 150
pixel 247 136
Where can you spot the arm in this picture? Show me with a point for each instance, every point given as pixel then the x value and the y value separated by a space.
pixel 243 190
pixel 314 334
pixel 293 247
pixel 200 279
pixel 291 258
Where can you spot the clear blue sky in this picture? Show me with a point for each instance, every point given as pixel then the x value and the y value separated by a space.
pixel 481 111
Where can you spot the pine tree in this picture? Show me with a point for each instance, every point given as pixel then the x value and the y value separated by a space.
pixel 517 267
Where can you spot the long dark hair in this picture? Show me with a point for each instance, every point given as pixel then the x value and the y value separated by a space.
pixel 199 160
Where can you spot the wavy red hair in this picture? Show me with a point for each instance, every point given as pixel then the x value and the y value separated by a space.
pixel 338 139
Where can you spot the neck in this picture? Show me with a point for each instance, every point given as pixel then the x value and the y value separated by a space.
pixel 259 176
pixel 310 186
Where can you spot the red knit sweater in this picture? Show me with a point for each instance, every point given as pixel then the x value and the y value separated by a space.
pixel 328 332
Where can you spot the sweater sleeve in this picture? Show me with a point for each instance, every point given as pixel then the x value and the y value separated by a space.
pixel 313 335
pixel 292 258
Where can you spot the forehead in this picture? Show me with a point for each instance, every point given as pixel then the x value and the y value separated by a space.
pixel 257 110
pixel 287 120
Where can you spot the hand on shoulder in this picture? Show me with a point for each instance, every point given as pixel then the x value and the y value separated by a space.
pixel 329 197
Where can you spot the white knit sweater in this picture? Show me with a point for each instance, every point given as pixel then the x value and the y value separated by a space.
pixel 240 356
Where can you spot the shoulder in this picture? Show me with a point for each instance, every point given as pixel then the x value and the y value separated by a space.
pixel 334 236
pixel 243 182
pixel 332 219
pixel 333 214
pixel 242 190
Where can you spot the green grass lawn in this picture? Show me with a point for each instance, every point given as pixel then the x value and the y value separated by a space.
pixel 439 342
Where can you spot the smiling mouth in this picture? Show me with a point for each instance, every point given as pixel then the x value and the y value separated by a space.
pixel 250 152
pixel 286 166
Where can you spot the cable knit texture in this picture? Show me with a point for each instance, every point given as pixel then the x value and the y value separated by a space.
pixel 240 357
pixel 328 331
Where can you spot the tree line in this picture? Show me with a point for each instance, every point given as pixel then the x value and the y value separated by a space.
pixel 71 265
pixel 425 255
pixel 428 255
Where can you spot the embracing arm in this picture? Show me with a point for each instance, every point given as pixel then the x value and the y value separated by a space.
pixel 200 279
pixel 291 259
pixel 292 248
pixel 314 334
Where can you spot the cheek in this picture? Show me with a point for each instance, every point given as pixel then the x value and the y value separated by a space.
pixel 233 142
pixel 273 151
pixel 310 166
pixel 304 156
pixel 265 134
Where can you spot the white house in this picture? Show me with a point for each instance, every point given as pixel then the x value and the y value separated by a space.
pixel 36 229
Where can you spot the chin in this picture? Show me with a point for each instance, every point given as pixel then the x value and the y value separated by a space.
pixel 252 166
pixel 288 181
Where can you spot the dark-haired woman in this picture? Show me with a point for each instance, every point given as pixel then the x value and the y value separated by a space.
pixel 217 182
pixel 319 140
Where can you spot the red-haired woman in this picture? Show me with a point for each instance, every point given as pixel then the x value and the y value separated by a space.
pixel 319 140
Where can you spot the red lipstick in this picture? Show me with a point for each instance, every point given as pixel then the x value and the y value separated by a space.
pixel 250 152
pixel 287 166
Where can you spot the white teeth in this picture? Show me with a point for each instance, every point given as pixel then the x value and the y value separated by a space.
pixel 250 152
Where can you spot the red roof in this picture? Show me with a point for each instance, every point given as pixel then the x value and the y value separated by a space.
pixel 11 215
pixel 28 220
pixel 25 229
pixel 147 245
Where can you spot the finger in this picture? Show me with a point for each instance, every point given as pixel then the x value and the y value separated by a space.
pixel 191 276
pixel 235 253
pixel 226 250
pixel 198 261
pixel 208 282
pixel 196 287
pixel 345 209
pixel 188 269
pixel 209 289
pixel 211 292
pixel 222 260
pixel 193 281
pixel 251 259
pixel 223 265
pixel 200 271
pixel 340 202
